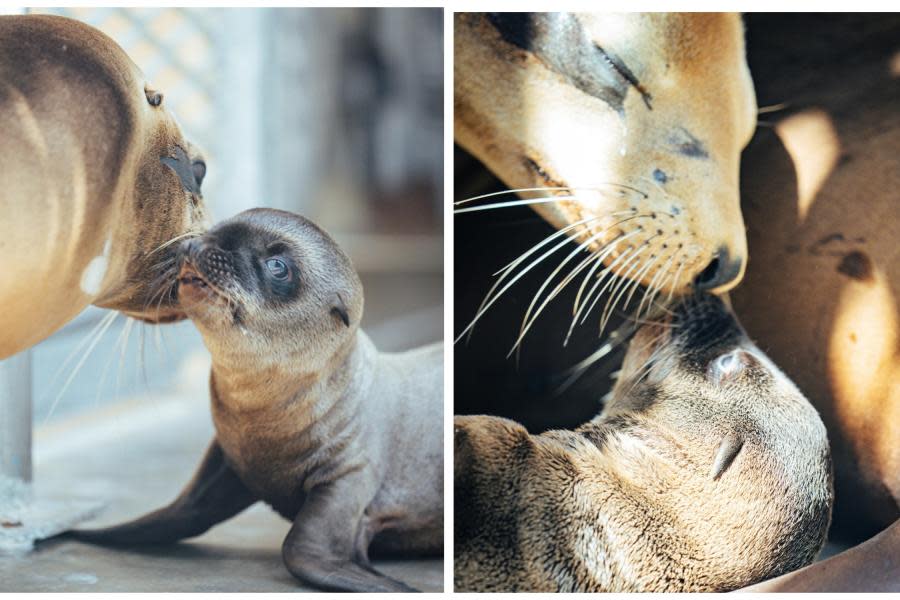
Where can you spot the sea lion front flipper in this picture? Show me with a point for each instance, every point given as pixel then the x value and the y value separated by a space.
pixel 325 547
pixel 213 495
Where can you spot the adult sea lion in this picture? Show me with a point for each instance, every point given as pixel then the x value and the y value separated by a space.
pixel 631 127
pixel 822 292
pixel 706 471
pixel 615 112
pixel 95 178
pixel 344 441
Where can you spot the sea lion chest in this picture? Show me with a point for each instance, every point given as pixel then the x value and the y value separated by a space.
pixel 265 455
pixel 283 448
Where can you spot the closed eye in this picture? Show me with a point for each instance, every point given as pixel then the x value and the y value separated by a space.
pixel 728 366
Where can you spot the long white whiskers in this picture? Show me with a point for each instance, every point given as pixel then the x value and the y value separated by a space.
pixel 526 324
pixel 486 304
pixel 105 323
pixel 551 189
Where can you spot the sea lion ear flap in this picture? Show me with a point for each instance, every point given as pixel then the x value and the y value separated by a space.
pixel 340 309
pixel 727 452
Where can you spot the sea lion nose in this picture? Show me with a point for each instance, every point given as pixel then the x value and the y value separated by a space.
pixel 721 274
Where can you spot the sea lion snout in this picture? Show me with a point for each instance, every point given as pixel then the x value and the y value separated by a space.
pixel 204 256
pixel 700 337
pixel 705 321
pixel 204 271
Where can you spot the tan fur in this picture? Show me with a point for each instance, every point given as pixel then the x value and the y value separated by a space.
pixel 822 292
pixel 533 128
pixel 80 179
pixel 628 501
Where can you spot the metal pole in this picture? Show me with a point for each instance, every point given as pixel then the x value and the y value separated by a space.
pixel 25 518
pixel 15 417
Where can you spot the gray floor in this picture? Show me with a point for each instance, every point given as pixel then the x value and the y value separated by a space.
pixel 135 451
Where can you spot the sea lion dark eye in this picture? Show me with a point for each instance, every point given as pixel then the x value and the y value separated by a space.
pixel 278 269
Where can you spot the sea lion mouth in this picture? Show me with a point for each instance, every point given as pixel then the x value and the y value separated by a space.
pixel 190 278
pixel 161 304
pixel 704 321
pixel 155 318
pixel 697 329
pixel 195 289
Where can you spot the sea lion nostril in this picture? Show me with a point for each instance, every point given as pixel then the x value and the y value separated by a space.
pixel 709 273
pixel 721 271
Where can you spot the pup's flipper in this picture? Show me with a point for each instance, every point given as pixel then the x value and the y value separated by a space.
pixel 325 547
pixel 213 495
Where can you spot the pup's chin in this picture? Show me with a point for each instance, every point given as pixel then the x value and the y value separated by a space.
pixel 169 314
pixel 193 296
pixel 206 308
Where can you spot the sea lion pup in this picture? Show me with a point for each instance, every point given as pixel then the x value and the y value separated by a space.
pixel 344 441
pixel 707 470
pixel 96 180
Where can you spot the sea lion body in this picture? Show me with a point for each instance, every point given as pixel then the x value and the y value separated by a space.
pixel 822 294
pixel 95 175
pixel 380 425
pixel 707 471
pixel 344 441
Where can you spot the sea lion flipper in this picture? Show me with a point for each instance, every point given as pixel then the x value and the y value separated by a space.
pixel 328 545
pixel 343 575
pixel 214 494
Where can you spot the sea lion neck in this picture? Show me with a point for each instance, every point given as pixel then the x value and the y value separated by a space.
pixel 268 418
pixel 240 387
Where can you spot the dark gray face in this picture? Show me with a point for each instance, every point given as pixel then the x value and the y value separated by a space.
pixel 271 274
pixel 242 259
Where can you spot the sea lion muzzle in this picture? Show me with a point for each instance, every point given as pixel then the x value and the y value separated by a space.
pixel 204 266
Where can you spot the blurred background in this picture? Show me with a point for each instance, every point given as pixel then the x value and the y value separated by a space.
pixel 333 113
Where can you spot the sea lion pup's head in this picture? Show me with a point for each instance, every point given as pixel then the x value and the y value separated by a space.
pixel 708 428
pixel 270 285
